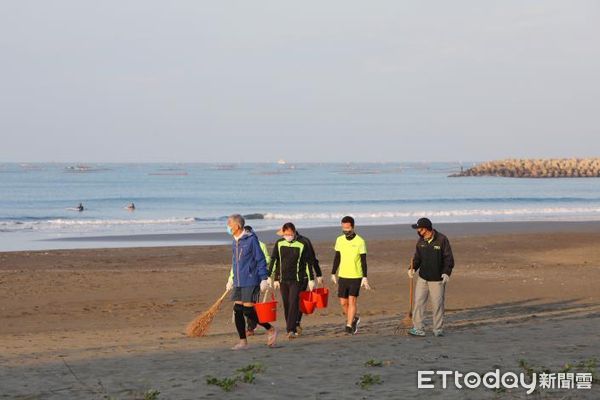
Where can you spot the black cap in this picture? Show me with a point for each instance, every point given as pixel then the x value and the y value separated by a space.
pixel 423 223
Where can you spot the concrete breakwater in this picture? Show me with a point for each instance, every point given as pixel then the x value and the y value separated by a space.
pixel 536 168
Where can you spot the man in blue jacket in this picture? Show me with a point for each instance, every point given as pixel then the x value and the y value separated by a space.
pixel 249 278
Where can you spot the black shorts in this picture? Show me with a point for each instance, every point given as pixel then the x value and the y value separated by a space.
pixel 249 294
pixel 348 287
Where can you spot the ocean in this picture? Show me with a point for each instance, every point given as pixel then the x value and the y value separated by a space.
pixel 37 201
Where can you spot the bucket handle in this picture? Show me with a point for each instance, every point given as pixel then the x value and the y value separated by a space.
pixel 265 296
pixel 322 286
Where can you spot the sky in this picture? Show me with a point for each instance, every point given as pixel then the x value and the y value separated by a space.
pixel 310 81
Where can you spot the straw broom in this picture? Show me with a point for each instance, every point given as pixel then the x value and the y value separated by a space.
pixel 199 326
pixel 407 322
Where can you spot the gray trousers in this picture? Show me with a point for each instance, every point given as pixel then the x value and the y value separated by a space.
pixel 435 292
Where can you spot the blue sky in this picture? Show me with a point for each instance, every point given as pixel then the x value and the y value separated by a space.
pixel 304 81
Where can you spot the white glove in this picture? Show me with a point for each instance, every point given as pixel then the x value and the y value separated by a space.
pixel 229 284
pixel 276 285
pixel 270 281
pixel 445 278
pixel 320 280
pixel 264 285
pixel 411 273
pixel 334 279
pixel 311 285
pixel 365 284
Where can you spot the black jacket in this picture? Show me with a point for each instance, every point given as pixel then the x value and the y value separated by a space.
pixel 292 261
pixel 433 258
pixel 315 266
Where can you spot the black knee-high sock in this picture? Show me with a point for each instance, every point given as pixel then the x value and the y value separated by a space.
pixel 240 321
pixel 250 313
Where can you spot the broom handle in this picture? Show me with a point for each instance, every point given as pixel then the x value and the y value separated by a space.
pixel 411 294
pixel 223 295
pixel 411 285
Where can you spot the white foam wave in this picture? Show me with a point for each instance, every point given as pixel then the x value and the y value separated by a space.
pixel 82 224
pixel 96 222
pixel 549 211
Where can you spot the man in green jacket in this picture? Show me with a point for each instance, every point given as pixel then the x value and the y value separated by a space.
pixel 292 261
pixel 316 269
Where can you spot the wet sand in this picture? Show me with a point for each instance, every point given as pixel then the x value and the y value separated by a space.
pixel 373 232
pixel 93 323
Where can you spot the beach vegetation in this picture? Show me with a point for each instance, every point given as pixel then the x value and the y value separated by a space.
pixel 374 363
pixel 368 380
pixel 245 374
pixel 227 383
pixel 151 394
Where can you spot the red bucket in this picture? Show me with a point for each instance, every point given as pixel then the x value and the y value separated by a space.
pixel 267 310
pixel 307 302
pixel 320 296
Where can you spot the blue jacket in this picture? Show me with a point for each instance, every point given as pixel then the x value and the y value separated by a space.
pixel 249 265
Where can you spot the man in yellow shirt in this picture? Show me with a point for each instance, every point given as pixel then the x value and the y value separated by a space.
pixel 350 264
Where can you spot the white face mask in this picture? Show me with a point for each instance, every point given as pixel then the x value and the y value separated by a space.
pixel 289 238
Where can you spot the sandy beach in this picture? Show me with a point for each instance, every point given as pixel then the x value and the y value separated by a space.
pixel 108 323
pixel 142 139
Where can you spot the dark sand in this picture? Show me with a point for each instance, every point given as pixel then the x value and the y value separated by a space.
pixel 116 318
pixel 373 232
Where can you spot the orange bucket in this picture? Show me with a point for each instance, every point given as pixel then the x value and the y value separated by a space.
pixel 321 295
pixel 267 310
pixel 307 302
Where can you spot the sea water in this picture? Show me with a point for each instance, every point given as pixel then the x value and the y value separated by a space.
pixel 37 201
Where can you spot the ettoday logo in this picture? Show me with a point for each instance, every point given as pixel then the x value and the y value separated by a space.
pixel 472 380
pixel 507 380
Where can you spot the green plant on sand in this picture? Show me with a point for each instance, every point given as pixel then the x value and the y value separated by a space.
pixel 368 380
pixel 374 363
pixel 151 394
pixel 245 374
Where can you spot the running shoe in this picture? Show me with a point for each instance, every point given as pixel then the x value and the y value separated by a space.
pixel 355 323
pixel 416 332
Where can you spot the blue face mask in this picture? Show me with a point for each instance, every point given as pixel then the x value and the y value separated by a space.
pixel 229 231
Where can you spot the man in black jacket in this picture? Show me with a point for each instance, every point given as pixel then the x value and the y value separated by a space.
pixel 292 262
pixel 316 269
pixel 434 260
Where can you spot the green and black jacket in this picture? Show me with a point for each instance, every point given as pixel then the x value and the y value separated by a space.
pixel 292 261
pixel 315 264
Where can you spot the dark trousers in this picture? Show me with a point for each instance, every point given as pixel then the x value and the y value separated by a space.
pixel 303 287
pixel 290 294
